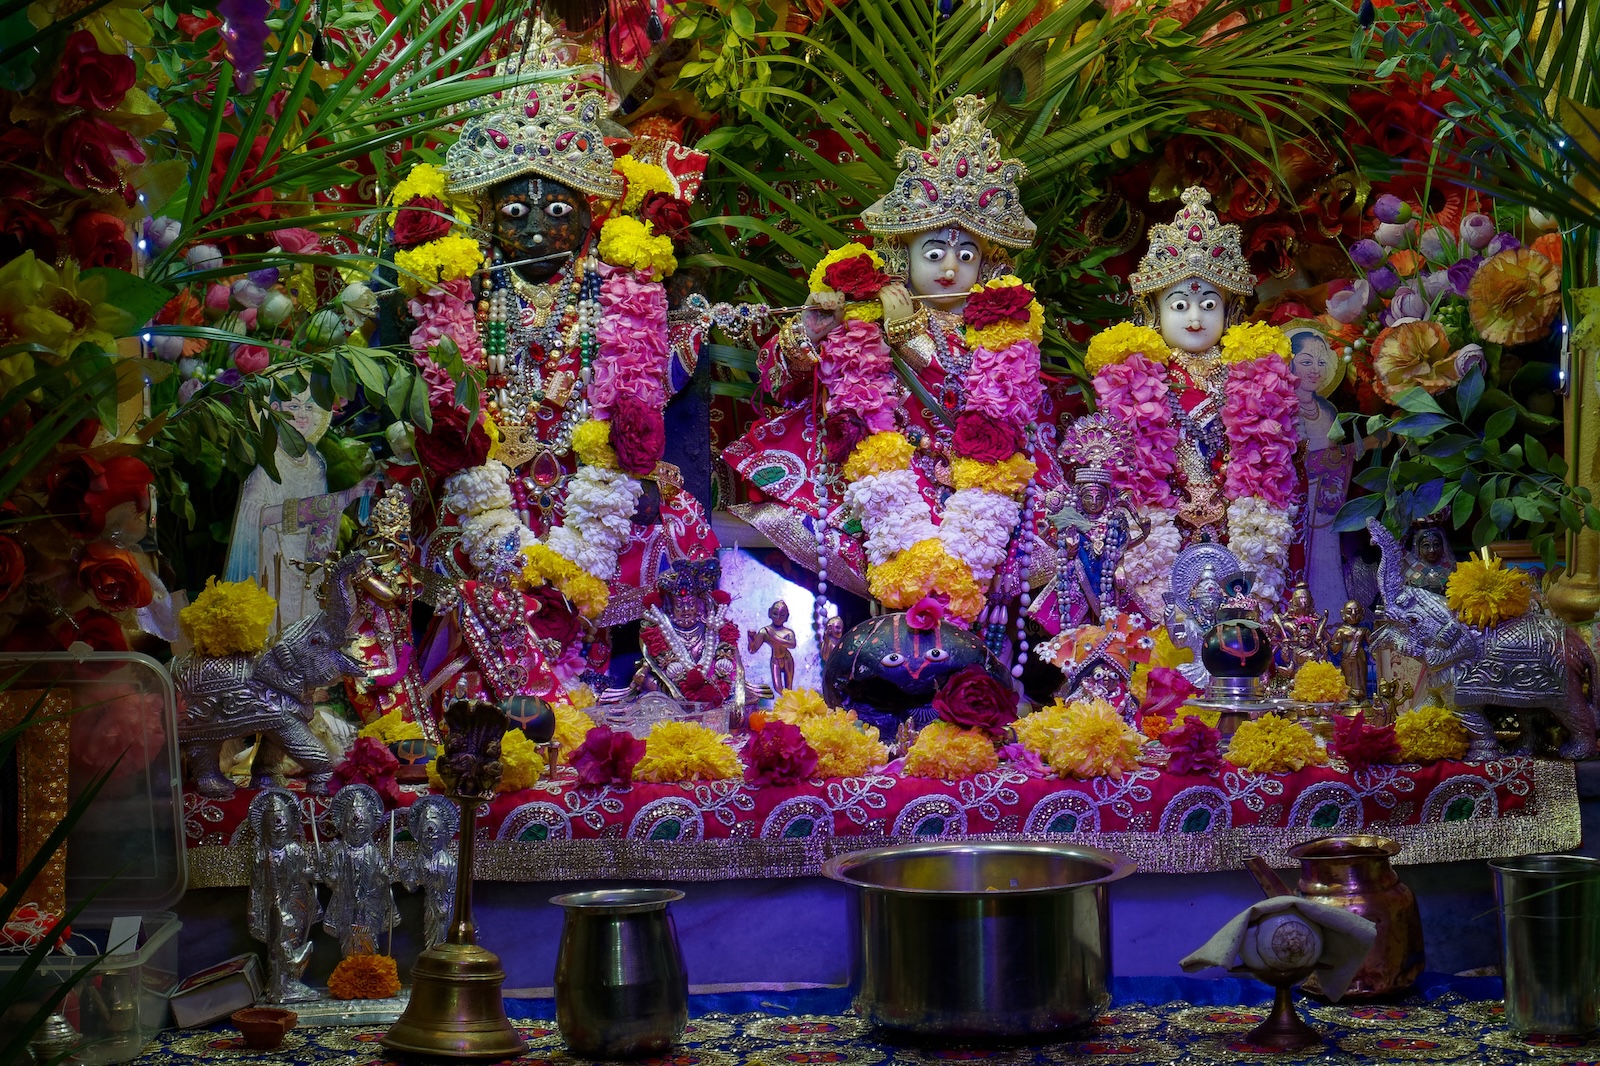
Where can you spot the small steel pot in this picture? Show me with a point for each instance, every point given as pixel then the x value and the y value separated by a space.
pixel 621 990
pixel 979 940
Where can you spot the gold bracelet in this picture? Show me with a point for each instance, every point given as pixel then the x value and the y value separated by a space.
pixel 796 347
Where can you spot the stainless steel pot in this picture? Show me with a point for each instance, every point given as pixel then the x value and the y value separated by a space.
pixel 980 940
pixel 621 990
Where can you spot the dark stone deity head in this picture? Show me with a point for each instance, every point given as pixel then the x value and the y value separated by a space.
pixel 534 217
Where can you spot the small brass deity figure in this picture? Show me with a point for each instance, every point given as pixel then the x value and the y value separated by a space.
pixel 1302 633
pixel 782 640
pixel 283 894
pixel 1351 641
pixel 355 869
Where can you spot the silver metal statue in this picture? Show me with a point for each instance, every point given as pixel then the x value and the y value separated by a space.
pixel 1524 663
pixel 1199 576
pixel 357 873
pixel 434 821
pixel 283 894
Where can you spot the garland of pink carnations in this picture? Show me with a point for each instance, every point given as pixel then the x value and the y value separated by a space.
pixel 1258 476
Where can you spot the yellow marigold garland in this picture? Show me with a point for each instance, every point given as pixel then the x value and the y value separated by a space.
pixel 578 697
pixel 815 282
pixel 229 618
pixel 1483 592
pixel 587 593
pixel 627 242
pixel 879 454
pixel 1274 745
pixel 686 751
pixel 1092 740
pixel 391 729
pixel 950 753
pixel 1431 733
pixel 1252 340
pixel 844 747
pixel 572 727
pixel 1008 478
pixel 543 566
pixel 591 442
pixel 1115 343
pixel 523 764
pixel 643 179
pixel 1035 731
pixel 795 705
pixel 1320 682
pixel 364 977
pixel 446 259
pixel 901 581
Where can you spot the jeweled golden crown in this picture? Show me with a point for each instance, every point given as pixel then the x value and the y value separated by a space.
pixel 1095 445
pixel 960 179
pixel 552 130
pixel 1194 245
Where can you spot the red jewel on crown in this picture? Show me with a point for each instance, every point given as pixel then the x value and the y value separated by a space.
pixel 1195 234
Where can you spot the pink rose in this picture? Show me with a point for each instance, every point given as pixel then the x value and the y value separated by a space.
pixel 118 724
pixel 1194 748
pixel 925 614
pixel 1166 692
pixel 638 435
pixel 607 757
pixel 251 358
pixel 1135 392
pixel 971 699
pixel 297 241
pixel 779 755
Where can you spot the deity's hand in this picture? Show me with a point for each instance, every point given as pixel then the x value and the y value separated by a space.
pixel 896 300
pixel 824 311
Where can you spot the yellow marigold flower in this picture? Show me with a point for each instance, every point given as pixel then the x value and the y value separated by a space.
pixel 1166 653
pixel 229 618
pixel 1155 727
pixel 491 429
pixel 1273 745
pixel 627 242
pixel 1115 343
pixel 1002 335
pixel 572 726
pixel 1483 592
pixel 391 729
pixel 544 566
pixel 446 259
pixel 844 747
pixel 1320 682
pixel 909 576
pixel 425 179
pixel 1252 340
pixel 795 705
pixel 522 762
pixel 364 977
pixel 1035 731
pixel 592 443
pixel 865 311
pixel 643 179
pixel 686 751
pixel 950 753
pixel 578 697
pixel 587 593
pixel 1007 478
pixel 839 255
pixel 964 597
pixel 1431 733
pixel 1092 740
pixel 879 454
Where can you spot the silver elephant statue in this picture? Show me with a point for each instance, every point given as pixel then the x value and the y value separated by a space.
pixel 1535 661
pixel 227 696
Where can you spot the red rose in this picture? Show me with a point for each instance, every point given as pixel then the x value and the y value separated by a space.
pixel 257 206
pixel 841 432
pixel 551 617
pixel 251 358
pixel 725 599
pixel 12 566
pixel 1005 304
pixel 607 757
pixel 90 152
pixel 451 446
pixel 697 688
pixel 1270 249
pixel 111 575
pixel 1197 162
pixel 1252 197
pixel 95 628
pixel 23 228
pixel 984 438
pixel 420 220
pixel 369 762
pixel 100 240
pixel 855 277
pixel 83 489
pixel 668 214
pixel 971 699
pixel 89 78
pixel 638 436
pixel 779 755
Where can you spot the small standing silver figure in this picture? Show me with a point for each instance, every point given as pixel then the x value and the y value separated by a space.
pixel 357 873
pixel 434 821
pixel 283 894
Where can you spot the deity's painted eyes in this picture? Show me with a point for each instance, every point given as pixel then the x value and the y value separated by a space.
pixel 515 210
pixel 933 255
pixel 894 658
pixel 937 655
pixel 559 209
pixel 1210 303
pixel 966 255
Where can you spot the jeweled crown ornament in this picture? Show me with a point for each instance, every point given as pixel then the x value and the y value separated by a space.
pixel 1095 445
pixel 552 130
pixel 960 179
pixel 1194 245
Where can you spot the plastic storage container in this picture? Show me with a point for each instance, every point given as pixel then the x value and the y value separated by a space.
pixel 128 849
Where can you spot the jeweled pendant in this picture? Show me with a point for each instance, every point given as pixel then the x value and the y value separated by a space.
pixel 653 27
pixel 546 471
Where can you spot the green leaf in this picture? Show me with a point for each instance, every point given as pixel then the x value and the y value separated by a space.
pixel 1469 392
pixel 1354 514
pixel 370 371
pixel 1571 517
pixel 1499 424
pixel 1373 478
pixel 1418 401
pixel 1538 458
pixel 1461 509
pixel 1421 425
pixel 1447 445
pixel 339 376
pixel 743 21
pixel 137 298
pixel 1501 512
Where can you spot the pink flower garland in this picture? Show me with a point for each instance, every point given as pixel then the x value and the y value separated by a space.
pixel 633 347
pixel 1259 416
pixel 1135 392
pixel 446 311
pixel 857 369
pixel 1005 385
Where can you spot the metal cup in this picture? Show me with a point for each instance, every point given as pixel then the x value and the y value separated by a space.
pixel 1550 926
pixel 621 990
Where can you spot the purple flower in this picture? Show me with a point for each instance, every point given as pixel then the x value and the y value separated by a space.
pixel 1408 303
pixel 1022 758
pixel 1434 244
pixel 229 378
pixel 1435 283
pixel 160 232
pixel 187 390
pixel 1390 208
pixel 1367 253
pixel 1503 242
pixel 1383 280
pixel 1467 358
pixel 1462 272
pixel 1393 234
pixel 204 257
pixel 1350 305
pixel 247 293
pixel 266 277
pixel 1477 230
pixel 167 349
pixel 244 34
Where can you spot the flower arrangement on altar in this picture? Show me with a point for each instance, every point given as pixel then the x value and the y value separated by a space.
pixel 1081 739
pixel 1319 681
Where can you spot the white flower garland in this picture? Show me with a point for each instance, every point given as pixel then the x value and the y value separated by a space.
pixel 1259 535
pixel 480 489
pixel 976 528
pixel 1147 565
pixel 893 512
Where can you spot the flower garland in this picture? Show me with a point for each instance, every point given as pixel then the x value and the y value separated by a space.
pixel 686 751
pixel 950 753
pixel 1259 422
pixel 910 557
pixel 1084 739
pixel 844 746
pixel 437 255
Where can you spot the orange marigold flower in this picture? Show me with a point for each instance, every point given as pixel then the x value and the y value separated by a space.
pixel 1413 353
pixel 1514 297
pixel 1549 246
pixel 364 977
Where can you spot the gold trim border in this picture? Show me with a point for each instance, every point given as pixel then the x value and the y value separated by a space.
pixel 1554 826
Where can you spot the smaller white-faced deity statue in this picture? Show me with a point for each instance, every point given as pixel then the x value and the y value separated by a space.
pixel 782 640
pixel 357 873
pixel 434 821
pixel 283 894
